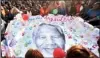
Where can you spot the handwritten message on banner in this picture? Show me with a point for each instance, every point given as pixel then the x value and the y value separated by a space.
pixel 47 33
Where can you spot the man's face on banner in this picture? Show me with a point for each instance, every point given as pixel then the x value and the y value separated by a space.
pixel 49 38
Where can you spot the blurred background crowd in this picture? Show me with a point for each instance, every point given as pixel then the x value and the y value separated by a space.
pixel 89 10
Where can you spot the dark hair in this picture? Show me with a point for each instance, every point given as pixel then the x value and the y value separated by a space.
pixel 29 53
pixel 33 54
pixel 98 42
pixel 78 51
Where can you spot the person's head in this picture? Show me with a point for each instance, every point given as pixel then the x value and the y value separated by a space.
pixel 91 2
pixel 48 37
pixel 29 53
pixel 96 6
pixel 44 5
pixel 14 10
pixel 33 54
pixel 78 51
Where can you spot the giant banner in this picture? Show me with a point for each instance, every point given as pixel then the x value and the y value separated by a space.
pixel 47 33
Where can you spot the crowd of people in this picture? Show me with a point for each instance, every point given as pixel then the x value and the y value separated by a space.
pixel 89 10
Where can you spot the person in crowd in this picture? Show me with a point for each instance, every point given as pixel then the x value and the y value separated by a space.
pixel 2 12
pixel 48 37
pixel 6 17
pixel 94 14
pixel 79 51
pixel 67 6
pixel 33 54
pixel 72 9
pixel 54 9
pixel 95 11
pixel 15 11
pixel 86 7
pixel 61 8
pixel 44 9
pixel 78 7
